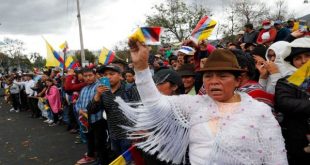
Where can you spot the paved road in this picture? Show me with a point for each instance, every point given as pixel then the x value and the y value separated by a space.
pixel 27 141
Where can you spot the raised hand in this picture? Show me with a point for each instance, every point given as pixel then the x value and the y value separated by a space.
pixel 139 55
pixel 271 67
pixel 298 33
pixel 100 89
pixel 263 73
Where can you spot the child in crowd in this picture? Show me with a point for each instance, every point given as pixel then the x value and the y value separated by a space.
pixel 53 96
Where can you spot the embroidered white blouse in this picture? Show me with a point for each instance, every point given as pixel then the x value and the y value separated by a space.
pixel 216 134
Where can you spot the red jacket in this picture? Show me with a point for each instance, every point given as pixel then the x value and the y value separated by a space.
pixel 72 84
pixel 272 33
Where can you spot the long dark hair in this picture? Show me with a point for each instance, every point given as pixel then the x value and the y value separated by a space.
pixel 246 61
pixel 49 87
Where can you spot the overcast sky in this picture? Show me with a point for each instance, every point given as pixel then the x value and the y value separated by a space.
pixel 105 22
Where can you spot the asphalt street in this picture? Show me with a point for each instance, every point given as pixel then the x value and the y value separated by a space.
pixel 28 141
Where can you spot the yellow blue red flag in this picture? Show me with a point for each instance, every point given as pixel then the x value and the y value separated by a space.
pixel 53 58
pixel 147 35
pixel 106 56
pixel 71 63
pixel 203 29
pixel 128 157
pixel 300 75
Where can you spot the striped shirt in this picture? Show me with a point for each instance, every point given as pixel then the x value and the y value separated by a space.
pixel 115 117
pixel 86 95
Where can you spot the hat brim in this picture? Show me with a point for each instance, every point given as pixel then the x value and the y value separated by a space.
pixel 186 53
pixel 221 69
pixel 103 69
pixel 296 52
pixel 186 73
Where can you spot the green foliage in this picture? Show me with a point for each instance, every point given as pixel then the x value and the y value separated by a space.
pixel 5 61
pixel 25 62
pixel 177 18
pixel 89 56
pixel 39 61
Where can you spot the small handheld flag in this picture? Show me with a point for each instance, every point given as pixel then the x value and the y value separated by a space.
pixel 203 29
pixel 106 56
pixel 300 75
pixel 84 122
pixel 64 47
pixel 147 35
pixel 129 156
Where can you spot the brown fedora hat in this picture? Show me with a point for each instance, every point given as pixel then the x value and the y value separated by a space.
pixel 221 60
pixel 187 70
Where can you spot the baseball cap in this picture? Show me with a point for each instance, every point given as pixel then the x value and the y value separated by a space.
pixel 167 75
pixel 241 32
pixel 187 50
pixel 112 67
pixel 277 22
pixel 266 22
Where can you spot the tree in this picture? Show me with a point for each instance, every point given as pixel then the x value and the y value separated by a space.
pixel 25 63
pixel 177 18
pixel 250 11
pixel 89 56
pixel 231 23
pixel 39 61
pixel 121 51
pixel 13 48
pixel 5 62
pixel 280 12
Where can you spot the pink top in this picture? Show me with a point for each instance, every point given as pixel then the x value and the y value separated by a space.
pixel 53 97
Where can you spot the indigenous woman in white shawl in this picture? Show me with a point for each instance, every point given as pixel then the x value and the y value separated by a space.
pixel 223 127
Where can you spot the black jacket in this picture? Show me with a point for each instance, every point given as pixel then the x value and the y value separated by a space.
pixel 116 118
pixel 294 103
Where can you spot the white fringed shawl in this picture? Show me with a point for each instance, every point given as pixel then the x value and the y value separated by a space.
pixel 163 132
pixel 164 122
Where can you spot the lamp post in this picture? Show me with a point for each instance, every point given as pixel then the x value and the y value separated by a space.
pixel 81 34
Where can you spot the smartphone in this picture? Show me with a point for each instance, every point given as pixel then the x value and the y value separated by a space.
pixel 105 82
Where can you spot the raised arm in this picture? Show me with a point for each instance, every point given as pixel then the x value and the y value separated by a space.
pixel 163 121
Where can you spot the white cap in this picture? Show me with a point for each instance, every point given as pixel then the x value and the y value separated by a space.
pixel 187 50
pixel 241 32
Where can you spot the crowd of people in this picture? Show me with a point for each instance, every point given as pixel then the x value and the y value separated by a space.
pixel 201 104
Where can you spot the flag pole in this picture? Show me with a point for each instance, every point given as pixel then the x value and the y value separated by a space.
pixel 81 34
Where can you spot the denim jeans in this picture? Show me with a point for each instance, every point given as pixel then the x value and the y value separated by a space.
pixel 50 114
pixel 66 114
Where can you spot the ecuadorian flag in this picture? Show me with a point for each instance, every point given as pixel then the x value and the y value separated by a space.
pixel 203 29
pixel 300 75
pixel 70 63
pixel 53 58
pixel 129 156
pixel 147 35
pixel 106 56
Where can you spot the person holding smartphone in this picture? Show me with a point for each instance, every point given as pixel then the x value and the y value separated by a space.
pixel 113 86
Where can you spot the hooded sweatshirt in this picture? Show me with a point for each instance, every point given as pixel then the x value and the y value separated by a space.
pixel 282 50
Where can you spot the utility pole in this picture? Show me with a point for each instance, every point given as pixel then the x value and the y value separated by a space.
pixel 81 34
